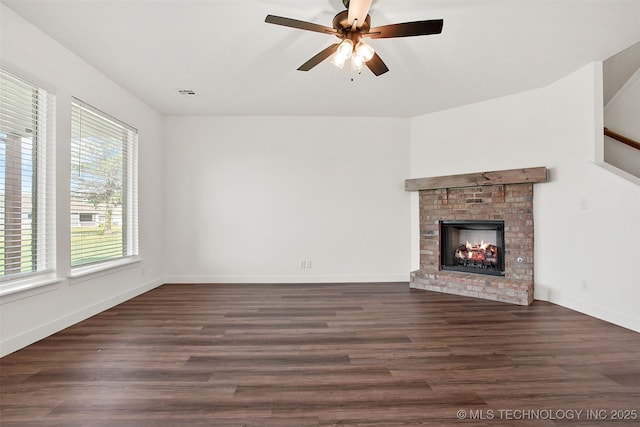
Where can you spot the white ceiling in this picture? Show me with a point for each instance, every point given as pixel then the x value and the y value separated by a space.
pixel 239 65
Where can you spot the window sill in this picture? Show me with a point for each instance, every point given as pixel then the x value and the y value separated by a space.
pixel 27 287
pixel 79 274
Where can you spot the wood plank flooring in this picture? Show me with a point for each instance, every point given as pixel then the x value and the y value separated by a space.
pixel 375 355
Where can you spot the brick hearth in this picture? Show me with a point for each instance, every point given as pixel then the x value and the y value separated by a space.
pixel 486 196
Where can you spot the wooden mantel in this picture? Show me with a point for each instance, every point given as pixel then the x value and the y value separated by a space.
pixel 510 176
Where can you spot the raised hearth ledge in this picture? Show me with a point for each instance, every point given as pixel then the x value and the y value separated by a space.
pixel 510 176
pixel 474 285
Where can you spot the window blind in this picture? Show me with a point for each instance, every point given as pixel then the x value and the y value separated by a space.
pixel 27 185
pixel 104 206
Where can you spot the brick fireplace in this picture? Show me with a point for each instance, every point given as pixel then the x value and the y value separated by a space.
pixel 504 197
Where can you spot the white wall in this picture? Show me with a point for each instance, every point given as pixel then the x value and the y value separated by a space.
pixel 31 315
pixel 622 115
pixel 250 198
pixel 585 217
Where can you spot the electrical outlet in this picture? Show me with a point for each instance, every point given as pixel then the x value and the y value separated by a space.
pixel 305 263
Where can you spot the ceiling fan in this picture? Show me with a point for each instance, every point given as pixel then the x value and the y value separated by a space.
pixel 352 26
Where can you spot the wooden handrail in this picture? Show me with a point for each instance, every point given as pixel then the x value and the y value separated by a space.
pixel 630 142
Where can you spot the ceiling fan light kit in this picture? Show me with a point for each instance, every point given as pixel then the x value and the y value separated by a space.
pixel 351 26
pixel 345 48
pixel 364 51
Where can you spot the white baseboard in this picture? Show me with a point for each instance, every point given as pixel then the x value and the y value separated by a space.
pixel 29 337
pixel 400 277
pixel 620 319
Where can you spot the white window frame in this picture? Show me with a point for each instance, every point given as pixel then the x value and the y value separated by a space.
pixel 130 193
pixel 45 208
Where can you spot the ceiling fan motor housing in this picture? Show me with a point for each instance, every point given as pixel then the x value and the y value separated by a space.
pixel 340 23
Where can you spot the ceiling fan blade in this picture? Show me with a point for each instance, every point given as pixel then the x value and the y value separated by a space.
pixel 301 25
pixel 324 54
pixel 376 65
pixel 407 29
pixel 358 9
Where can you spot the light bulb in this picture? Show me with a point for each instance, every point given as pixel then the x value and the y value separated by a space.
pixel 345 48
pixel 364 51
pixel 357 63
pixel 342 53
pixel 339 60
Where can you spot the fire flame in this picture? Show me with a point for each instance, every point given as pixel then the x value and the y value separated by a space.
pixel 485 253
pixel 475 245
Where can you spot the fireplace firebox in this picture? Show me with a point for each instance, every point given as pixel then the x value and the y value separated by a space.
pixel 472 247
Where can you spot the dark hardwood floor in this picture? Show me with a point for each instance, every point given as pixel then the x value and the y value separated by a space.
pixel 325 355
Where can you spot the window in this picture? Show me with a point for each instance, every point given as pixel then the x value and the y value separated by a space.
pixel 27 187
pixel 86 217
pixel 103 182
